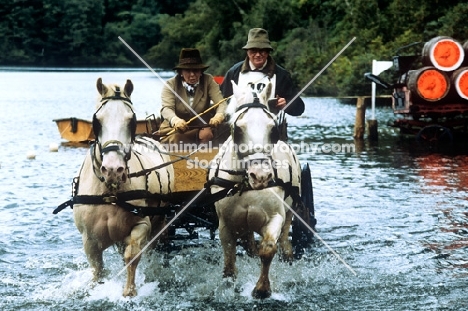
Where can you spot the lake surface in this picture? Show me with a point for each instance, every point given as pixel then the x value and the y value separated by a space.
pixel 394 210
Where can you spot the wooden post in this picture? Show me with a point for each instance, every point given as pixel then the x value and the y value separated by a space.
pixel 372 130
pixel 359 126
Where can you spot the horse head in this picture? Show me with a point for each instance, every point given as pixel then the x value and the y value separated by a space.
pixel 254 132
pixel 114 126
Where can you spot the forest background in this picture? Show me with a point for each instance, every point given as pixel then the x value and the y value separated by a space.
pixel 306 34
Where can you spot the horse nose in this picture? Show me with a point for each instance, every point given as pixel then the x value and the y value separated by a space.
pixel 260 178
pixel 112 171
pixel 113 174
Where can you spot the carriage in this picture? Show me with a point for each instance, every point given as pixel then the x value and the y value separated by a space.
pixel 131 184
pixel 190 167
pixel 430 95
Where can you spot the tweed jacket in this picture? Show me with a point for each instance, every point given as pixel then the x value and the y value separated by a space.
pixel 206 91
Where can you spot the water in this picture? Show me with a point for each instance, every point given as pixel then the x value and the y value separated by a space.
pixel 394 211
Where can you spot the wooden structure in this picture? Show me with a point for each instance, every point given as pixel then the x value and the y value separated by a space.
pixel 80 130
pixel 75 130
pixel 190 174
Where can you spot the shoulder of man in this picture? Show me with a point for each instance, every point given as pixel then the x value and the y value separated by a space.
pixel 236 67
pixel 279 70
pixel 231 74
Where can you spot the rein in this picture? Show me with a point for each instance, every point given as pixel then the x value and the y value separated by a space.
pixel 255 104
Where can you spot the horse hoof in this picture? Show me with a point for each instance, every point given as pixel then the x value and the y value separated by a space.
pixel 129 292
pixel 261 294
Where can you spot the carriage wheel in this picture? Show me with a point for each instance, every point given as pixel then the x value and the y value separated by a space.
pixel 434 134
pixel 302 237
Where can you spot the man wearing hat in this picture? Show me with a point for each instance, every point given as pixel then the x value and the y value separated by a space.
pixel 260 70
pixel 186 95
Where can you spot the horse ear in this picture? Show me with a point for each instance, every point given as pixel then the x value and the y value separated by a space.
pixel 102 89
pixel 235 89
pixel 128 87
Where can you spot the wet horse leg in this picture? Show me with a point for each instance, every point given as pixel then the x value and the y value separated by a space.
pixel 132 256
pixel 267 251
pixel 249 244
pixel 286 251
pixel 94 255
pixel 228 242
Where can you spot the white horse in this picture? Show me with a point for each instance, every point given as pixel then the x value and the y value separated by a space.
pixel 260 176
pixel 112 199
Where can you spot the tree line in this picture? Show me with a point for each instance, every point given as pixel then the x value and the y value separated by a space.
pixel 306 34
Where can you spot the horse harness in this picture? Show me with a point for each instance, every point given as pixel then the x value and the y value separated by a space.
pixel 231 187
pixel 97 152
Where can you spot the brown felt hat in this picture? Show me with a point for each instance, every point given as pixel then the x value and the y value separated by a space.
pixel 258 39
pixel 190 59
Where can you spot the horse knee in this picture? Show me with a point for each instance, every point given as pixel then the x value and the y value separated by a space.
pixel 267 250
pixel 135 241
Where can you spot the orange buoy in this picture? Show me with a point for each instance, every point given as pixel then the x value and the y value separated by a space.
pixel 444 53
pixel 428 84
pixel 460 82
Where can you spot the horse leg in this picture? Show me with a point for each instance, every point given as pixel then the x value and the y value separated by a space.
pixel 248 243
pixel 132 256
pixel 94 255
pixel 228 242
pixel 266 252
pixel 157 225
pixel 286 251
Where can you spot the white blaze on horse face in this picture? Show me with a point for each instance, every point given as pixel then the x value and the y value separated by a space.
pixel 115 128
pixel 256 128
pixel 115 119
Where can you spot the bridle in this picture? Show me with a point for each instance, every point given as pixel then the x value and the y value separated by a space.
pixel 242 109
pixel 98 149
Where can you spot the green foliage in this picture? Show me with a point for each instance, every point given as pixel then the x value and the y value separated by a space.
pixel 305 34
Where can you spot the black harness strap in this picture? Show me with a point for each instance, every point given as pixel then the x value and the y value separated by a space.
pixel 120 199
pixel 221 182
pixel 255 104
pixel 231 187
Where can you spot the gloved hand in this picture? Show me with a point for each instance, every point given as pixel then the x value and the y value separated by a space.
pixel 217 119
pixel 180 125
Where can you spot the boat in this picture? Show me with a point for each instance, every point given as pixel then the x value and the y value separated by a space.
pixel 80 130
